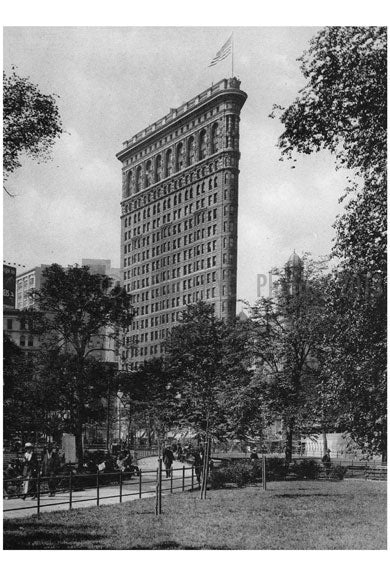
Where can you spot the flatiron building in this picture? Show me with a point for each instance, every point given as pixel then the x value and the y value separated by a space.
pixel 179 216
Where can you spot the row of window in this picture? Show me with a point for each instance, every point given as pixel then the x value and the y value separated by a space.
pixel 184 154
pixel 175 184
pixel 209 216
pixel 178 287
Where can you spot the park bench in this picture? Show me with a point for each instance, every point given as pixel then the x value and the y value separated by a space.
pixel 377 473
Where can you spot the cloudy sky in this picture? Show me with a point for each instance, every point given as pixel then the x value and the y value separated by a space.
pixel 113 82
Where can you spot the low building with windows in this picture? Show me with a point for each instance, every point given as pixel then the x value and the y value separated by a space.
pixel 25 282
pixel 16 328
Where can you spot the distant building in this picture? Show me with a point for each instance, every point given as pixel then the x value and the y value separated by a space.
pixel 98 266
pixel 179 215
pixel 25 282
pixel 16 328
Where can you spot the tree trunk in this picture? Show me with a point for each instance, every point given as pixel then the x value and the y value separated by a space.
pixel 324 443
pixel 289 441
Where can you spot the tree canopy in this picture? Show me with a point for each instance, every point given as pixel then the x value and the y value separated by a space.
pixel 77 314
pixel 31 122
pixel 343 108
pixel 286 335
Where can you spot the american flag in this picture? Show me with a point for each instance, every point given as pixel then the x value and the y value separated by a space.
pixel 223 52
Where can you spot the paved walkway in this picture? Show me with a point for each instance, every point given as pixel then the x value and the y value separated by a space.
pixel 18 508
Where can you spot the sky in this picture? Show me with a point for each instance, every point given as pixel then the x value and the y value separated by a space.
pixel 114 81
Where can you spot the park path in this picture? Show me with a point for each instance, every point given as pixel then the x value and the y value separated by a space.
pixel 18 508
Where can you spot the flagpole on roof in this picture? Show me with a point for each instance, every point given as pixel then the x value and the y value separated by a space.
pixel 232 53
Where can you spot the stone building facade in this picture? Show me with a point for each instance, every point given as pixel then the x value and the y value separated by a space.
pixel 179 216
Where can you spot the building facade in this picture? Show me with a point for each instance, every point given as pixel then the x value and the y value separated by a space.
pixel 15 326
pixel 26 282
pixel 179 216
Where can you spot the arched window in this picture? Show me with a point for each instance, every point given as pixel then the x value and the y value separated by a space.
pixel 202 144
pixel 191 150
pixel 148 173
pixel 179 157
pixel 129 183
pixel 168 163
pixel 139 178
pixel 214 138
pixel 158 168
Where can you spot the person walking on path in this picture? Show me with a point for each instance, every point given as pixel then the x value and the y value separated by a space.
pixel 168 459
pixel 30 472
pixel 50 467
pixel 198 464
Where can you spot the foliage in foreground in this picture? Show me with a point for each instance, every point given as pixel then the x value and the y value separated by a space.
pixel 343 109
pixel 31 122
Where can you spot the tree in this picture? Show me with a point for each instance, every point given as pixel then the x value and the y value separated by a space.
pixel 343 108
pixel 193 360
pixel 355 359
pixel 57 374
pixel 31 121
pixel 148 396
pixel 209 372
pixel 287 333
pixel 21 408
pixel 78 313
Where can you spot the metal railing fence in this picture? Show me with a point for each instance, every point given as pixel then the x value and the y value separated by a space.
pixel 127 485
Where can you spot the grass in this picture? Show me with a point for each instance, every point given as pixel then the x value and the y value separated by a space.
pixel 289 515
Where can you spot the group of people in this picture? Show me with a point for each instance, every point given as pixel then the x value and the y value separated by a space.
pixel 195 455
pixel 28 468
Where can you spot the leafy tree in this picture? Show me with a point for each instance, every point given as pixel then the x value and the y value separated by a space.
pixel 78 313
pixel 238 396
pixel 25 402
pixel 31 121
pixel 57 374
pixel 343 108
pixel 194 356
pixel 208 368
pixel 148 396
pixel 355 359
pixel 287 333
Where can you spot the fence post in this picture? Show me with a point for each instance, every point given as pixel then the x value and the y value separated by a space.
pixel 184 478
pixel 192 478
pixel 140 483
pixel 39 494
pixel 171 480
pixel 264 472
pixel 97 489
pixel 120 486
pixel 157 485
pixel 70 489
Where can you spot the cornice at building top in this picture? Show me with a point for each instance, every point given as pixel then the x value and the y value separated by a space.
pixel 222 88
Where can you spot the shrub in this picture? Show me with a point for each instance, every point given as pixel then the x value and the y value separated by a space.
pixel 240 473
pixel 276 468
pixel 338 472
pixel 306 469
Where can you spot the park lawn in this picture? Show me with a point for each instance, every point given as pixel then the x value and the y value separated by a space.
pixel 316 515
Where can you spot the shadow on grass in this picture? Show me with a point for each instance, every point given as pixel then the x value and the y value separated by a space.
pixel 313 494
pixel 35 535
pixel 45 538
pixel 172 545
